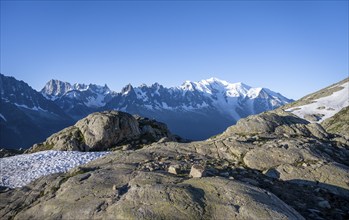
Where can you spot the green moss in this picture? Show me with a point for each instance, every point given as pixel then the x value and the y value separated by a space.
pixel 78 172
pixel 339 123
pixel 42 147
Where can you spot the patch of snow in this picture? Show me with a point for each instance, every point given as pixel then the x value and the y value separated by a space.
pixel 123 109
pixel 52 98
pixel 253 92
pixel 187 86
pixel 20 170
pixel 140 94
pixel 80 87
pixel 97 101
pixel 35 108
pixel 150 107
pixel 324 107
pixel 3 117
pixel 165 106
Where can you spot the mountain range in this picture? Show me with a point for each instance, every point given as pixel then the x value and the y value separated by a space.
pixel 194 110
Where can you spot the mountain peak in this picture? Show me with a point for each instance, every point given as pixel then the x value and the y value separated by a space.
pixel 55 88
pixel 214 80
pixel 127 89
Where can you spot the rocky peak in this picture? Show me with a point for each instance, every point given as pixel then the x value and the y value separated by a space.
pixel 127 89
pixel 55 88
pixel 80 86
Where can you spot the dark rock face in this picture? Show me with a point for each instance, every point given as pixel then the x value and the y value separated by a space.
pixel 106 130
pixel 26 117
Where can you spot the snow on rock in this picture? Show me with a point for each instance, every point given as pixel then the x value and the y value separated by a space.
pixel 3 117
pixel 20 170
pixel 35 108
pixel 324 107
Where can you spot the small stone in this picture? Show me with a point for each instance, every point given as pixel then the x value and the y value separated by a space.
pixel 225 174
pixel 164 140
pixel 127 147
pixel 304 165
pixel 174 169
pixel 197 171
pixel 324 204
pixel 115 188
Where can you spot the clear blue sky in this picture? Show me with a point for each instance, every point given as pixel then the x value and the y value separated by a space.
pixel 292 47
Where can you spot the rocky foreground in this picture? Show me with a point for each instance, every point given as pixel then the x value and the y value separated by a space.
pixel 269 166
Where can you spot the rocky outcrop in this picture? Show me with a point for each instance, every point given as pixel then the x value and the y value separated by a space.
pixel 10 152
pixel 106 130
pixel 119 187
pixel 292 179
pixel 197 171
pixel 339 123
pixel 268 166
pixel 276 124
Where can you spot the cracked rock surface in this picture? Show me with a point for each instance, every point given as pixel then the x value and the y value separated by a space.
pixel 288 169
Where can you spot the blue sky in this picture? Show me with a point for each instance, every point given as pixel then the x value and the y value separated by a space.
pixel 292 47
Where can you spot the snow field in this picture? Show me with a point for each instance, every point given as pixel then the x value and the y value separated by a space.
pixel 325 107
pixel 20 170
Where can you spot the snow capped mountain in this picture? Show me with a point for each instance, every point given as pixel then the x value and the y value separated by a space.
pixel 26 116
pixel 77 100
pixel 55 89
pixel 22 95
pixel 196 110
pixel 235 98
pixel 209 106
pixel 91 95
pixel 228 98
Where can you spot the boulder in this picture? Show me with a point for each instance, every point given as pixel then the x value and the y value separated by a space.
pixel 197 171
pixel 263 123
pixel 105 130
pixel 174 169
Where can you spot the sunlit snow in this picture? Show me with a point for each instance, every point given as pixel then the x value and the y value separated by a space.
pixel 324 107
